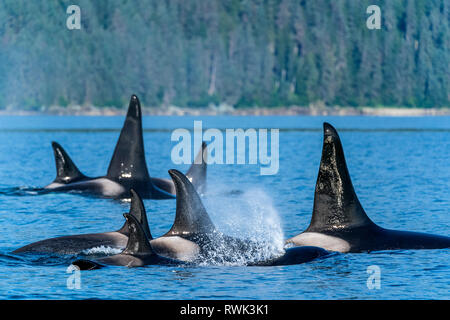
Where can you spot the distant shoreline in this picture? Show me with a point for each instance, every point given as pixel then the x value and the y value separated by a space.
pixel 212 111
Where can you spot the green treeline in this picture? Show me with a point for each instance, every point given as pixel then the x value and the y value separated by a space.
pixel 245 53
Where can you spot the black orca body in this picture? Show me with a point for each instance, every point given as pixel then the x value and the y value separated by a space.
pixel 194 238
pixel 127 169
pixel 77 244
pixel 137 253
pixel 295 255
pixel 339 222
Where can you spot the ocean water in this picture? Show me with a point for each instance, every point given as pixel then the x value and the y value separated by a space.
pixel 400 169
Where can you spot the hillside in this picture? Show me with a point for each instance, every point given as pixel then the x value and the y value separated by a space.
pixel 194 53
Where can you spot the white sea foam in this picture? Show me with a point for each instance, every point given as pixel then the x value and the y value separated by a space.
pixel 102 250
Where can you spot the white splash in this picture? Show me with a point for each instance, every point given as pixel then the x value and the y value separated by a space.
pixel 102 250
pixel 252 217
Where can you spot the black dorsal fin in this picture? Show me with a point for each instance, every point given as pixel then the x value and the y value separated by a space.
pixel 66 170
pixel 137 209
pixel 197 172
pixel 138 242
pixel 128 161
pixel 191 216
pixel 336 205
pixel 125 229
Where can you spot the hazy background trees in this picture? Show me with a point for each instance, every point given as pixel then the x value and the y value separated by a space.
pixel 245 53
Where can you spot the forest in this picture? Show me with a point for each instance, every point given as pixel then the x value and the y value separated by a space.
pixel 245 53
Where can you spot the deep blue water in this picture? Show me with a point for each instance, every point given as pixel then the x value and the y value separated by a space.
pixel 400 169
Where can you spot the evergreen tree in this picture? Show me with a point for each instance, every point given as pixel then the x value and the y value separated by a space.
pixel 242 52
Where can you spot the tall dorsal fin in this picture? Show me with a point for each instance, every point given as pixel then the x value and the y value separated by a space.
pixel 128 161
pixel 197 172
pixel 66 170
pixel 191 216
pixel 138 242
pixel 336 205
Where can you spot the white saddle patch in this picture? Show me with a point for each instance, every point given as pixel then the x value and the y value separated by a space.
pixel 54 185
pixel 109 188
pixel 176 248
pixel 321 240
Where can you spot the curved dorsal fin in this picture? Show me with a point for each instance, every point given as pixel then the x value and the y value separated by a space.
pixel 128 160
pixel 137 209
pixel 66 170
pixel 124 229
pixel 336 205
pixel 138 243
pixel 197 172
pixel 191 216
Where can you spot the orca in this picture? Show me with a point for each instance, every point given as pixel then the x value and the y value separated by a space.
pixel 194 238
pixel 77 244
pixel 127 169
pixel 339 222
pixel 137 253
